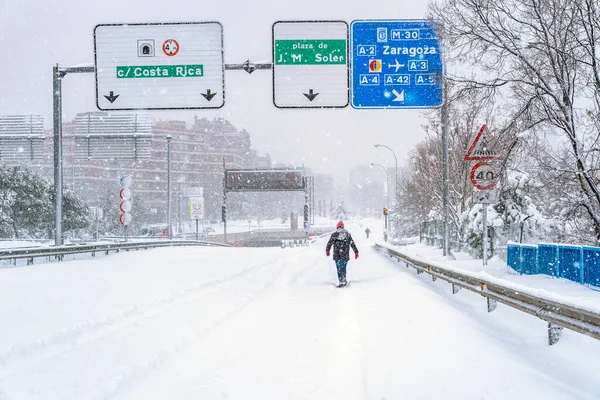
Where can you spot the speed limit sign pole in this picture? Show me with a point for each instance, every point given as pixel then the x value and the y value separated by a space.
pixel 485 236
pixel 483 177
pixel 483 174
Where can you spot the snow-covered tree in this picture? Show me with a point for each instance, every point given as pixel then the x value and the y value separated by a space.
pixel 542 60
pixel 27 205
pixel 514 217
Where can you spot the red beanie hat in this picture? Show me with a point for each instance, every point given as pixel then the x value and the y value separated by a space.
pixel 340 225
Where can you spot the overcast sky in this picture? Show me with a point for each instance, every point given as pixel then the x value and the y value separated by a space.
pixel 36 34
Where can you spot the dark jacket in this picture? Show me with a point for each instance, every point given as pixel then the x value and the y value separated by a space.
pixel 341 240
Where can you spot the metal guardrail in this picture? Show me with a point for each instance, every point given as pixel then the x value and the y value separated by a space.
pixel 232 237
pixel 60 251
pixel 557 315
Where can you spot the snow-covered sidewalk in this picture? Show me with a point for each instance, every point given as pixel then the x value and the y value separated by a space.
pixel 548 287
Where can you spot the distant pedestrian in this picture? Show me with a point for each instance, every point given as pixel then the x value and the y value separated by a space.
pixel 341 240
pixel 368 232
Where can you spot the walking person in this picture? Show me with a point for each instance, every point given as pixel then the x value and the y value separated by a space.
pixel 368 232
pixel 341 240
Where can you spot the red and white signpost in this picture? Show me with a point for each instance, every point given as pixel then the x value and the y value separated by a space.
pixel 125 204
pixel 483 176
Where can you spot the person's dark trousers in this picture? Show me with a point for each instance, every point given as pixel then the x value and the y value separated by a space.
pixel 341 269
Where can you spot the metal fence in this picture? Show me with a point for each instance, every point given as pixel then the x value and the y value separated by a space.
pixel 21 137
pixel 432 234
pixel 102 135
pixel 21 125
pixel 59 252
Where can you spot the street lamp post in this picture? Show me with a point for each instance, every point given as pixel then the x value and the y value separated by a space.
pixel 396 172
pixel 521 227
pixel 386 179
pixel 58 163
pixel 388 196
pixel 170 231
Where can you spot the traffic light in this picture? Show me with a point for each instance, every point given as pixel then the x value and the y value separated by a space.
pixel 224 213
pixel 306 213
pixel 384 211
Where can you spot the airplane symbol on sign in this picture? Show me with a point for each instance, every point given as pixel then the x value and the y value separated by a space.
pixel 397 65
pixel 399 96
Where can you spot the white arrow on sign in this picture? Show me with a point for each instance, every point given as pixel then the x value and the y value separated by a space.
pixel 399 96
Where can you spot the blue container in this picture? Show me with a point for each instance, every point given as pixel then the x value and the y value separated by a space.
pixel 570 261
pixel 591 266
pixel 529 259
pixel 548 259
pixel 513 256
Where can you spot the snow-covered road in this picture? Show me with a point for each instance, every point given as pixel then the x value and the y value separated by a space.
pixel 219 323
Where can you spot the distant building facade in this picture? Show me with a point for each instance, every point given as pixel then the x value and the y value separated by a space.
pixel 325 194
pixel 199 154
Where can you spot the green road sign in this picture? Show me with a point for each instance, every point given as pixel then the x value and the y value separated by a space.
pixel 310 52
pixel 310 64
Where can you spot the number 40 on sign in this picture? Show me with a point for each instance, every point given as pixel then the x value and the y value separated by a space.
pixel 483 176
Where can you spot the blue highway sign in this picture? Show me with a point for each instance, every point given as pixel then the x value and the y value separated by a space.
pixel 395 64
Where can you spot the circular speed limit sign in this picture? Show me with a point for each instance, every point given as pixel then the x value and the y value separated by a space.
pixel 483 176
pixel 125 219
pixel 170 47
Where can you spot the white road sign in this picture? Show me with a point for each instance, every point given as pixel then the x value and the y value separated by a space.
pixel 125 219
pixel 125 194
pixel 125 181
pixel 159 66
pixel 97 212
pixel 485 196
pixel 310 64
pixel 196 207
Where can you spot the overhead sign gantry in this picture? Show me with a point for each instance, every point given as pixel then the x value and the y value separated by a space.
pixel 162 66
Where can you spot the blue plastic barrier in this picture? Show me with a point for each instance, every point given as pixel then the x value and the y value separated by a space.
pixel 548 259
pixel 529 259
pixel 579 264
pixel 513 256
pixel 591 266
pixel 570 263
